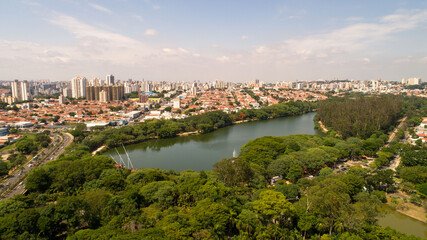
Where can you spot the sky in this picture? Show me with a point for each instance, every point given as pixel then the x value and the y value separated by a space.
pixel 239 40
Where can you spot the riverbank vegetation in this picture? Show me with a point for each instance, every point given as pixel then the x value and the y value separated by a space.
pixel 80 196
pixel 203 123
pixel 412 173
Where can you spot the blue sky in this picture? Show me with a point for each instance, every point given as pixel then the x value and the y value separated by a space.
pixel 208 40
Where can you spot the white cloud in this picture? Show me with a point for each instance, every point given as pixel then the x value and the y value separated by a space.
pixel 150 32
pixel 244 37
pixel 350 39
pixel 100 8
pixel 262 49
pixel 223 59
pixel 406 59
pixel 178 52
pixel 139 18
pixel 298 14
pixel 152 4
pixel 100 45
pixel 96 50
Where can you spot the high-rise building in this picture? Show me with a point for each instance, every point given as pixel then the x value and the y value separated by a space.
pixel 78 87
pixel 194 90
pixel 147 86
pixel 16 89
pixel 112 93
pixel 75 87
pixel 96 82
pixel 66 92
pixel 103 96
pixel 411 81
pixel 109 79
pixel 83 85
pixel 24 90
pixel 20 90
pixel 61 99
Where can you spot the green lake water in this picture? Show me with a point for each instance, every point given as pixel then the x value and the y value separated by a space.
pixel 403 223
pixel 200 152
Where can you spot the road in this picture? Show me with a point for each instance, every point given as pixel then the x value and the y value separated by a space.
pixel 16 181
pixel 340 167
pixel 393 135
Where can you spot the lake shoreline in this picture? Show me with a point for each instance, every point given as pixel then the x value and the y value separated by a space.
pixel 104 148
pixel 200 151
pixel 407 208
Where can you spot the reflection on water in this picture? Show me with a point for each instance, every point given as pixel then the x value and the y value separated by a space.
pixel 200 152
pixel 403 223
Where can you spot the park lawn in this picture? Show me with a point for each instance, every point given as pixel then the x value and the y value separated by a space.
pixel 13 146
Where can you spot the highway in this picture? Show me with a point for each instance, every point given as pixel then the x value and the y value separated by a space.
pixel 15 183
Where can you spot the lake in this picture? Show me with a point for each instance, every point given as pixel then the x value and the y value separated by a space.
pixel 200 152
pixel 403 223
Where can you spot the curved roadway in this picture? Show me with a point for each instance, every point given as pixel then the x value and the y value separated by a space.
pixel 16 180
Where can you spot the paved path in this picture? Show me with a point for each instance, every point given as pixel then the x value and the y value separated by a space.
pixel 393 135
pixel 16 181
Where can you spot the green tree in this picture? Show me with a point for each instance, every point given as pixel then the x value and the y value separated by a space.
pixel 212 216
pixel 295 172
pixel 3 169
pixel 306 222
pixel 274 208
pixel 26 146
pixel 329 199
pixel 416 175
pixel 234 171
pixel 38 180
pixel 324 172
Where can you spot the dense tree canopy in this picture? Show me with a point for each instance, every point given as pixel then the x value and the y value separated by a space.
pixel 360 116
pixel 80 196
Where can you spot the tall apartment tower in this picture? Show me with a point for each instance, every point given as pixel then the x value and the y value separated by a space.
pixel 20 90
pixel 16 89
pixel 66 92
pixel 83 85
pixel 147 86
pixel 103 96
pixel 109 79
pixel 78 87
pixel 24 90
pixel 105 93
pixel 96 82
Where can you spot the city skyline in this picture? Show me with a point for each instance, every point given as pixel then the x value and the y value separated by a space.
pixel 230 41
